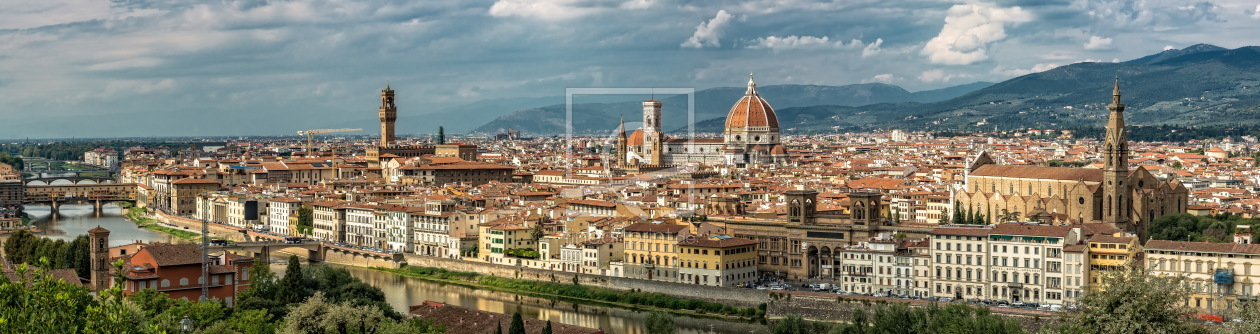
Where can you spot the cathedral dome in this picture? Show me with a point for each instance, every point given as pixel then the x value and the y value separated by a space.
pixel 751 111
pixel 636 138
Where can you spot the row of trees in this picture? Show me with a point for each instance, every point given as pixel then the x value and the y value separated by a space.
pixel 25 247
pixel 73 150
pixel 10 160
pixel 1188 227
pixel 966 216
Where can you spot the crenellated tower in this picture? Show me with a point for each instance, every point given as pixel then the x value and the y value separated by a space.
pixel 1116 165
pixel 653 138
pixel 388 114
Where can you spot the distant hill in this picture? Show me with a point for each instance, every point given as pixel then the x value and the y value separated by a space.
pixel 709 103
pixel 948 92
pixel 1202 85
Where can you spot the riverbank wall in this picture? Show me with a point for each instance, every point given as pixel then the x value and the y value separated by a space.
pixel 732 296
pixel 840 308
pixel 217 231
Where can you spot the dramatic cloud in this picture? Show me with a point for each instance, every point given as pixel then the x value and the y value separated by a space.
pixel 801 42
pixel 873 48
pixel 87 68
pixel 935 76
pixel 887 78
pixel 709 33
pixel 1098 43
pixel 969 29
pixel 1035 69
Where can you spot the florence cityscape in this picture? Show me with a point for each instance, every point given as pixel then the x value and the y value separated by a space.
pixel 637 166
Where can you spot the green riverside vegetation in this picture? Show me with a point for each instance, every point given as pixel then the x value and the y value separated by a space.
pixel 630 298
pixel 136 215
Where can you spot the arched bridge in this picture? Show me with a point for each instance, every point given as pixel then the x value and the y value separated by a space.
pixel 263 249
pixel 44 181
pixel 54 195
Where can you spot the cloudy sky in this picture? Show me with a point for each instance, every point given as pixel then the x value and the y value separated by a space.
pixel 101 68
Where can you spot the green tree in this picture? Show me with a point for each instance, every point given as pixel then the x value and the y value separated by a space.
pixel 792 324
pixel 78 256
pixel 1133 302
pixel 547 328
pixel 306 220
pixel 441 139
pixel 659 323
pixel 293 287
pixel 498 329
pixel 518 324
pixel 318 315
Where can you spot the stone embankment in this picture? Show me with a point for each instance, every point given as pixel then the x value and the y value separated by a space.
pixel 832 307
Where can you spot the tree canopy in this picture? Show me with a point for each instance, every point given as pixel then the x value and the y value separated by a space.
pixel 1133 303
pixel 1188 227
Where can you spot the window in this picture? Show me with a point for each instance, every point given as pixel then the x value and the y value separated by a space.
pixel 183 281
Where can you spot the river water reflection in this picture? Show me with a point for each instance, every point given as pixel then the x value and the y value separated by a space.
pixel 401 291
pixel 73 220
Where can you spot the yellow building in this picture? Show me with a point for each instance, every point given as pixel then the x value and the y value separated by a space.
pixel 652 250
pixel 717 260
pixel 499 236
pixel 1110 252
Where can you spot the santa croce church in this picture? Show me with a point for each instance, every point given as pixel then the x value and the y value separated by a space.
pixel 1130 199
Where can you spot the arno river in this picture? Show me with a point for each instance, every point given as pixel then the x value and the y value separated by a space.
pixel 400 291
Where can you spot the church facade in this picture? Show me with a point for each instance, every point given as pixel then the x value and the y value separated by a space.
pixel 1130 199
pixel 751 136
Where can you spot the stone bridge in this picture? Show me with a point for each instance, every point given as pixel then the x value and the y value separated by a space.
pixel 44 181
pixel 263 249
pixel 99 194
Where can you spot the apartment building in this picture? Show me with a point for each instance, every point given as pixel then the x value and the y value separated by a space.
pixel 717 261
pixel 1110 252
pixel 330 220
pixel 652 250
pixel 1027 261
pixel 1221 276
pixel 959 254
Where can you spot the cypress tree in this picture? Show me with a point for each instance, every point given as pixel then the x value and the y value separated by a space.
pixel 518 325
pixel 547 328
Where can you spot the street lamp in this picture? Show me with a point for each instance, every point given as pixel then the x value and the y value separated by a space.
pixel 186 324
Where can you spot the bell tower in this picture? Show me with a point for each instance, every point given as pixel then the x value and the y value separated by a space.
pixel 98 244
pixel 652 136
pixel 802 206
pixel 388 114
pixel 1116 166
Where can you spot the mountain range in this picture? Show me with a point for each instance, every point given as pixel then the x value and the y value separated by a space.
pixel 709 103
pixel 1200 85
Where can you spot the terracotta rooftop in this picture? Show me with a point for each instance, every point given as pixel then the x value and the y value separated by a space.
pixel 1033 230
pixel 656 228
pixel 174 254
pixel 1207 247
pixel 1039 172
